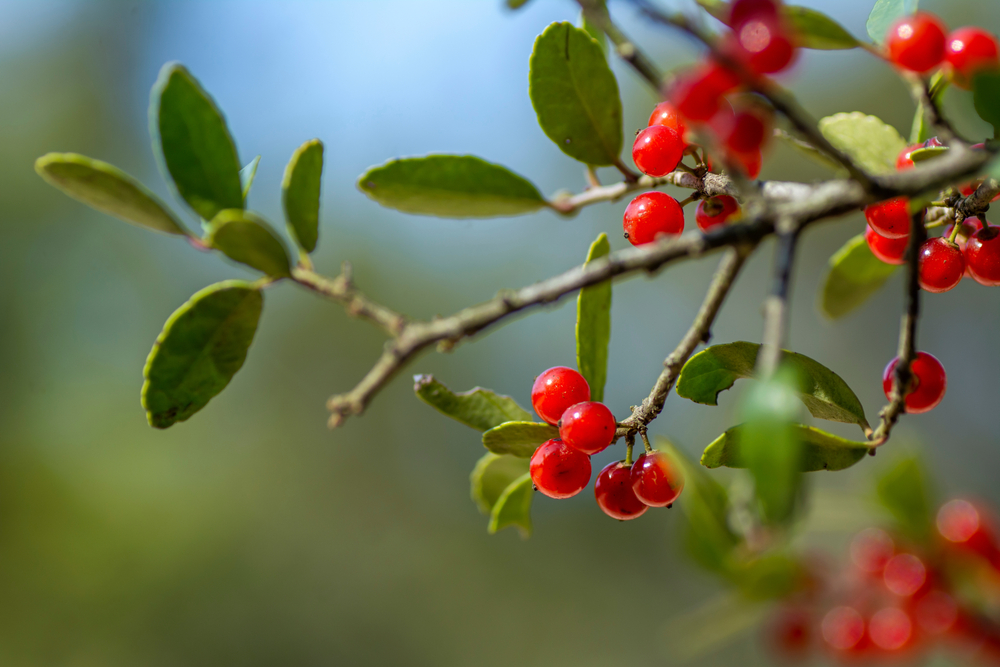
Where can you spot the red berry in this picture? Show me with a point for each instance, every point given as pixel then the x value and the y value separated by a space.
pixel 904 161
pixel 871 549
pixel 905 574
pixel 936 613
pixel 890 628
pixel 916 42
pixel 962 524
pixel 558 470
pixel 555 390
pixel 655 480
pixel 665 114
pixel 613 490
pixel 744 131
pixel 765 45
pixel 843 628
pixel 927 387
pixel 746 10
pixel 790 633
pixel 651 214
pixel 941 265
pixel 969 50
pixel 749 162
pixel 890 251
pixel 589 427
pixel 715 211
pixel 697 94
pixel 890 218
pixel 657 150
pixel 982 255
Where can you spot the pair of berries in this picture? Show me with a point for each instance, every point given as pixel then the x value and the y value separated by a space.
pixel 655 214
pixel 919 43
pixel 560 468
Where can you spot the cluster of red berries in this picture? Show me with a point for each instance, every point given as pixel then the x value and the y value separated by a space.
pixel 893 602
pixel 657 151
pixel 560 468
pixel 972 250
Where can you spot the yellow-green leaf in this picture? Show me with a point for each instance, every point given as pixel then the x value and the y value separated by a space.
pixel 494 473
pixel 593 326
pixel 518 438
pixel 816 30
pixel 300 193
pixel 109 190
pixel 477 408
pixel 513 507
pixel 245 238
pixel 822 451
pixel 855 274
pixel 869 141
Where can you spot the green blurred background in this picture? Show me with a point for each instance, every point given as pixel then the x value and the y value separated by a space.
pixel 252 535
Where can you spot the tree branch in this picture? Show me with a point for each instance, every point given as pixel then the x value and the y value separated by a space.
pixel 816 202
pixel 342 290
pixel 776 304
pixel 700 332
pixel 907 336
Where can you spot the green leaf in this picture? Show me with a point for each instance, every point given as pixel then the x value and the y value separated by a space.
pixel 193 142
pixel 884 14
pixel 715 369
pixel 247 174
pixel 300 193
pixel 870 142
pixel 478 408
pixel 107 189
pixel 494 473
pixel 575 95
pixel 903 490
pixel 921 130
pixel 201 347
pixel 810 151
pixel 772 576
pixel 516 4
pixel 922 154
pixel 245 238
pixel 717 8
pixel 705 506
pixel 450 186
pixel 513 507
pixel 593 326
pixel 823 451
pixel 815 30
pixel 855 274
pixel 986 97
pixel 770 444
pixel 518 438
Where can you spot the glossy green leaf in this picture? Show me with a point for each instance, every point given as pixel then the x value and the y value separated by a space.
pixel 717 8
pixel 715 369
pixel 872 144
pixel 247 175
pixel 107 189
pixel 513 507
pixel 575 95
pixel 193 143
pixel 986 97
pixel 855 274
pixel 450 186
pixel 903 490
pixel 822 450
pixel 518 438
pixel 300 193
pixel 478 408
pixel 593 326
pixel 245 238
pixel 705 506
pixel 770 444
pixel 815 30
pixel 494 473
pixel 201 347
pixel 884 14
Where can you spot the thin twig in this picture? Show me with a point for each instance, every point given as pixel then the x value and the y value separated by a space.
pixel 928 105
pixel 597 13
pixel 342 290
pixel 907 336
pixel 776 304
pixel 698 333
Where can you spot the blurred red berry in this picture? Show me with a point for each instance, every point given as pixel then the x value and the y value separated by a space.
pixel 890 251
pixel 982 255
pixel 871 549
pixel 970 50
pixel 890 218
pixel 890 628
pixel 936 613
pixel 656 481
pixel 905 574
pixel 715 211
pixel 742 11
pixel 667 115
pixel 765 45
pixel 843 628
pixel 697 93
pixel 916 43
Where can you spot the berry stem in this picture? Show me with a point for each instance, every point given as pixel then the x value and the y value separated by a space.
pixel 629 444
pixel 645 441
pixel 694 197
